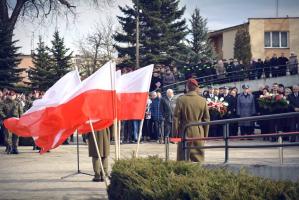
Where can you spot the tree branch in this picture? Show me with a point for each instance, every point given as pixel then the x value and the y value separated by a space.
pixel 15 14
pixel 3 10
pixel 66 3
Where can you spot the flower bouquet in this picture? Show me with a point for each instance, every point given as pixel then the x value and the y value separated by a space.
pixel 273 102
pixel 217 105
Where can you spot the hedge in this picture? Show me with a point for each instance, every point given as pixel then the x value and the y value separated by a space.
pixel 153 178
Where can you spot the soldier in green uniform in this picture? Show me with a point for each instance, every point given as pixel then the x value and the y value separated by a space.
pixel 103 141
pixel 191 108
pixel 11 108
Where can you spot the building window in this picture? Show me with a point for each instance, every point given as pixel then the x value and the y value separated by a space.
pixel 276 39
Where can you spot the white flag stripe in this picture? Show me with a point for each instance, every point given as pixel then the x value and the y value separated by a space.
pixel 127 82
pixel 103 79
pixel 58 93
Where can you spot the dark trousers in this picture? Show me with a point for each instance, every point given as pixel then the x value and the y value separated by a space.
pixel 247 130
pixel 157 129
pixel 127 130
pixel 147 128
pixel 233 129
pixel 11 140
pixel 167 129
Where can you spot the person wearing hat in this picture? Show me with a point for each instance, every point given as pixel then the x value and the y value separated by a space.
pixel 11 108
pixel 210 92
pixel 246 108
pixel 191 108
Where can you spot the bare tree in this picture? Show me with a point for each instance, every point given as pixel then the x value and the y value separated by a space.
pixel 97 47
pixel 12 10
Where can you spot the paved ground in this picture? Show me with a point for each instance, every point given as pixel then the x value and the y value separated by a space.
pixel 33 176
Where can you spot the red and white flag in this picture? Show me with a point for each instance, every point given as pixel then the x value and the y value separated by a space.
pixel 39 119
pixel 95 91
pixel 92 99
pixel 132 93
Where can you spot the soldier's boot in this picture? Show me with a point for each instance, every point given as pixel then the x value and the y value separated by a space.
pixel 98 177
pixel 15 142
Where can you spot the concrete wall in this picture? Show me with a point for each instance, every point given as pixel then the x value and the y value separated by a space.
pixel 256 32
pixel 294 35
pixel 228 43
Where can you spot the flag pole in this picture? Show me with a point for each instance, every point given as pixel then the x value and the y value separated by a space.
pixel 98 152
pixel 115 138
pixel 139 136
pixel 114 103
pixel 119 129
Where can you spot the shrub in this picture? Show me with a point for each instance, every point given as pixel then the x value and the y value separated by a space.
pixel 153 178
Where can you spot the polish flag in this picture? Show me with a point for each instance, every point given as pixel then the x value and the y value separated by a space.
pixel 132 93
pixel 99 124
pixel 38 120
pixel 93 99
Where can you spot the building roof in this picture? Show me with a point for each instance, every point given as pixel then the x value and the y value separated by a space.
pixel 217 32
pixel 273 18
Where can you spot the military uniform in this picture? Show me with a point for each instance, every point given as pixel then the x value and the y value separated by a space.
pixel 103 141
pixel 11 108
pixel 191 108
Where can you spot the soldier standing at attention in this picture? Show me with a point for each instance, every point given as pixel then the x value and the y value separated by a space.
pixel 103 141
pixel 11 108
pixel 191 108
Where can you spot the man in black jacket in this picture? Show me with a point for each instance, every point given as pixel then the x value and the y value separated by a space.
pixel 294 102
pixel 282 62
pixel 231 99
pixel 167 107
pixel 274 65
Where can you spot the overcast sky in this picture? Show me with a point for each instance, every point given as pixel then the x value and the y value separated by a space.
pixel 220 14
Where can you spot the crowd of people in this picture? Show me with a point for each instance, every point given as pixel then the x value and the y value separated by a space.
pixel 246 104
pixel 233 70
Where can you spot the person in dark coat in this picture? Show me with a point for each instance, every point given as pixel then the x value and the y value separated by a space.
pixel 264 124
pixel 274 65
pixel 253 69
pixel 156 82
pixel 167 108
pixel 209 93
pixel 246 108
pixel 157 117
pixel 231 99
pixel 259 68
pixel 191 108
pixel 267 67
pixel 294 103
pixel 293 64
pixel 282 62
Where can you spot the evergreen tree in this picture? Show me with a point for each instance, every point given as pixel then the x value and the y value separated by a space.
pixel 41 74
pixel 242 48
pixel 162 32
pixel 200 44
pixel 9 60
pixel 60 58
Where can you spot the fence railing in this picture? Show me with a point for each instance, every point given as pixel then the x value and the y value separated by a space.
pixel 234 76
pixel 226 136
